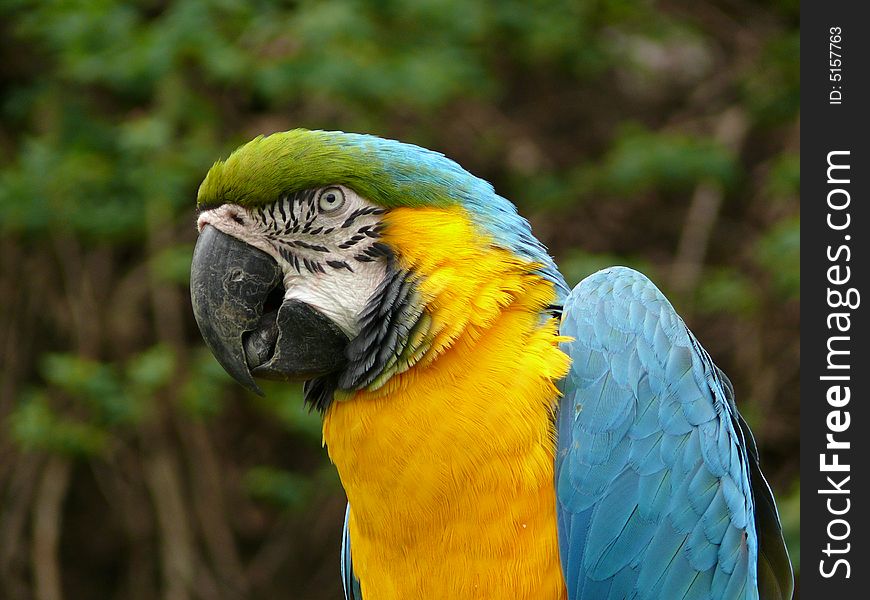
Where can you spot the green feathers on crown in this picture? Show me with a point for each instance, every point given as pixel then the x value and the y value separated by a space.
pixel 386 172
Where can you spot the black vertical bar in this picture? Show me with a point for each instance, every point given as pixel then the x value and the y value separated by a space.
pixel 835 364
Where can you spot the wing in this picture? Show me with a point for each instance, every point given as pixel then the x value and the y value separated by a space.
pixel 655 468
pixel 349 581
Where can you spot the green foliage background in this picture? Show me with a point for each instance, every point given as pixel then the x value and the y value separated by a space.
pixel 662 135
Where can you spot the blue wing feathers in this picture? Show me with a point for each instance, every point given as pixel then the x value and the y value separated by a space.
pixel 679 577
pixel 702 490
pixel 701 552
pixel 645 459
pixel 653 466
pixel 701 586
pixel 628 543
pixel 662 549
pixel 653 494
pixel 603 533
pixel 349 582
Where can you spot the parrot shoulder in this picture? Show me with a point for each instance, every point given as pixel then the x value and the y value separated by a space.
pixel 658 487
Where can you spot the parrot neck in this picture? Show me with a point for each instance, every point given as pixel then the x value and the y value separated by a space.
pixel 449 469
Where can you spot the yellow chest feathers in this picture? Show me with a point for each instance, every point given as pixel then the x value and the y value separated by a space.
pixel 448 467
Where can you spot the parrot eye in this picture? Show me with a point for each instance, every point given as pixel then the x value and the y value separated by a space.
pixel 331 199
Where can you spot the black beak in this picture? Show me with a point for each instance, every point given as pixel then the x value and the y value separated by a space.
pixel 237 296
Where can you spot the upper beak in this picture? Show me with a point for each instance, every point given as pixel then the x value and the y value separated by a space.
pixel 230 282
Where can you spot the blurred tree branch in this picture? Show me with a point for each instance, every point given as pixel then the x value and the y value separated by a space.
pixel 47 520
pixel 730 130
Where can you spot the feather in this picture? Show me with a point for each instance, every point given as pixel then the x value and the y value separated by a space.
pixel 672 513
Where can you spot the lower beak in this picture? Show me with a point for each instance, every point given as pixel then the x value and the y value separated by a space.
pixel 231 287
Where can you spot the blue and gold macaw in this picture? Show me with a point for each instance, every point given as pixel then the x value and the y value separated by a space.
pixel 498 435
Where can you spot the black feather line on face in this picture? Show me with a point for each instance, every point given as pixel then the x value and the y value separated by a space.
pixel 319 393
pixel 307 246
pixel 339 264
pixel 383 330
pixel 351 242
pixel 386 323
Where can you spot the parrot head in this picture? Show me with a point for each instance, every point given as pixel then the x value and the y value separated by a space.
pixel 344 260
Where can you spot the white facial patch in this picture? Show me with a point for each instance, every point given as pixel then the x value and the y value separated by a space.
pixel 326 242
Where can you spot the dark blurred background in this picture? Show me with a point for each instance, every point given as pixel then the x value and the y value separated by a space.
pixel 660 135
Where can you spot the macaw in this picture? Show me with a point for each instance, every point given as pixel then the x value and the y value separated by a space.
pixel 498 434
